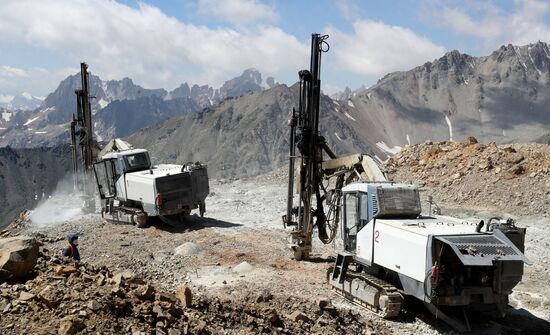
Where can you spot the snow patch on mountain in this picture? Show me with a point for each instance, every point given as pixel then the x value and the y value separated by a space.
pixel 349 116
pixel 6 116
pixel 102 103
pixel 384 147
pixel 27 95
pixel 31 121
pixel 450 125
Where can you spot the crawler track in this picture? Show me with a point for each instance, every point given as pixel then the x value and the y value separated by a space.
pixel 389 303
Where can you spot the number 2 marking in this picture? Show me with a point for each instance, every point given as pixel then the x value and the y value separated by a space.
pixel 376 235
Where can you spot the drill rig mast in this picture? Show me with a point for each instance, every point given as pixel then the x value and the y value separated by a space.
pixel 83 146
pixel 312 169
pixel 305 135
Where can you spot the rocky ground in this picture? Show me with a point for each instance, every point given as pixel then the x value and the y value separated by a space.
pixel 239 271
pixel 509 178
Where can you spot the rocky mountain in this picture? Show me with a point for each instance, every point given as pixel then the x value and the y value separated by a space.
pixel 26 175
pixel 347 93
pixel 59 106
pixel 23 101
pixel 502 97
pixel 246 135
pixel 114 103
pixel 124 117
pixel 249 81
pixel 203 96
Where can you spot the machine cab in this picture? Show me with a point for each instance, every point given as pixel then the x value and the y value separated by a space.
pixel 356 216
pixel 363 202
pixel 115 164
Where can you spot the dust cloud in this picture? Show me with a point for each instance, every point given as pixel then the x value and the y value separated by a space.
pixel 62 205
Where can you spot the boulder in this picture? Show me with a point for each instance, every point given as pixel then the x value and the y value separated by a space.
pixel 120 277
pixel 26 296
pixel 243 267
pixel 144 292
pixel 187 249
pixel 470 140
pixel 183 293
pixel 70 325
pixel 94 305
pixel 18 255
pixel 65 270
pixel 298 316
pixel 50 296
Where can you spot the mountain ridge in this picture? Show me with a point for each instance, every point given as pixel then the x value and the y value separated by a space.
pixel 47 125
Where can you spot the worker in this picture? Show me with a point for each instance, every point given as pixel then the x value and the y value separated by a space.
pixel 72 250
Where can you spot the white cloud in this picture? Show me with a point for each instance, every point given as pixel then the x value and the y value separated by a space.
pixel 239 12
pixel 9 71
pixel 524 24
pixel 375 48
pixel 4 99
pixel 144 43
pixel 349 10
pixel 16 81
pixel 462 23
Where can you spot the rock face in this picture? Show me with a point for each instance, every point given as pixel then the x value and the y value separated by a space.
pixel 247 135
pixel 27 175
pixel 502 97
pixel 249 81
pixel 61 104
pixel 124 117
pixel 18 255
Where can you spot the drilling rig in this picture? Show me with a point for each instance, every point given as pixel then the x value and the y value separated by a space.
pixel 315 175
pixel 83 146
pixel 130 187
pixel 386 248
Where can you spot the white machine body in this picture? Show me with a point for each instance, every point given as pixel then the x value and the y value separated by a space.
pixel 429 256
pixel 130 180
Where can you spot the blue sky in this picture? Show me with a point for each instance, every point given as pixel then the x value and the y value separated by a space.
pixel 163 43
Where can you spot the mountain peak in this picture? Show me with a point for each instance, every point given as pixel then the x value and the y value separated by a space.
pixel 27 95
pixel 249 80
pixel 23 101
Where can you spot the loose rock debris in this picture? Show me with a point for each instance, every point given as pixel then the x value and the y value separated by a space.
pixel 71 298
pixel 243 226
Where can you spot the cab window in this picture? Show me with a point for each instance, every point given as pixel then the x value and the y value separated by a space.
pixel 351 213
pixel 137 162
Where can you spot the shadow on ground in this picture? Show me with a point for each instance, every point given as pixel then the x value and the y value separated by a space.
pixel 189 223
pixel 516 321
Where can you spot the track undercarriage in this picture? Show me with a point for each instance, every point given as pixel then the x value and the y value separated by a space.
pixel 363 289
pixel 125 215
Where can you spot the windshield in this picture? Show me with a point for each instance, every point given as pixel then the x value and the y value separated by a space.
pixel 137 162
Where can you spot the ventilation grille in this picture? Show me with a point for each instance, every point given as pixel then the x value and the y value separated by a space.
pixel 486 245
pixel 374 204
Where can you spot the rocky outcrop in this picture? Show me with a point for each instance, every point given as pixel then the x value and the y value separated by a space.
pixel 505 178
pixel 18 256
pixel 68 299
pixel 29 175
